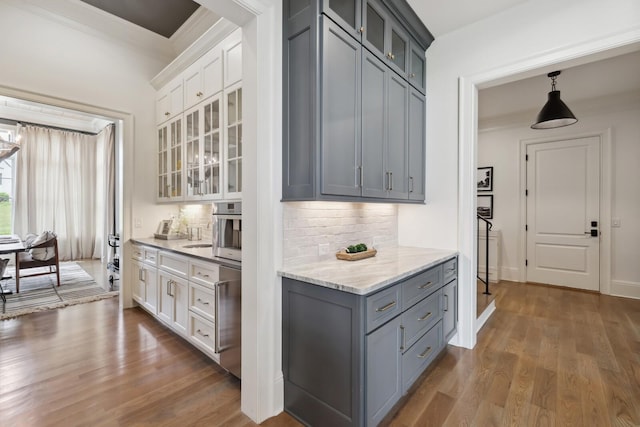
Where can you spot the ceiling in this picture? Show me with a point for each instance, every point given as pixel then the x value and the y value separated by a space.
pixel 162 17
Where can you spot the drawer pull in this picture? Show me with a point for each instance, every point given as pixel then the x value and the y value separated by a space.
pixel 446 306
pixel 452 269
pixel 200 300
pixel 202 275
pixel 425 353
pixel 207 335
pixel 426 285
pixel 425 317
pixel 386 307
pixel 402 342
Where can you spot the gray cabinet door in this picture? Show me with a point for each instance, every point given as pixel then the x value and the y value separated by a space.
pixel 450 309
pixel 417 66
pixel 347 13
pixel 300 131
pixel 340 120
pixel 383 371
pixel 417 142
pixel 374 125
pixel 398 138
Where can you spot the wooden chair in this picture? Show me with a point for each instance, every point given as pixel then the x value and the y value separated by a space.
pixel 24 261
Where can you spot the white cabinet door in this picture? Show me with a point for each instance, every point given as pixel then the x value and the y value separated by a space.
pixel 203 78
pixel 173 307
pixel 169 160
pixel 169 101
pixel 233 142
pixel 232 48
pixel 137 284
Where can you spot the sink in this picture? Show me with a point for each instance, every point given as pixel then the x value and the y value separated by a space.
pixel 198 245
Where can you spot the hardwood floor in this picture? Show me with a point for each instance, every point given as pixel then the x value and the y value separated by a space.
pixel 546 357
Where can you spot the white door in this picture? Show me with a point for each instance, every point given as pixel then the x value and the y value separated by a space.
pixel 563 208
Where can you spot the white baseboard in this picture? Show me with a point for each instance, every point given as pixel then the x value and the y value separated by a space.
pixel 621 288
pixel 486 314
pixel 511 274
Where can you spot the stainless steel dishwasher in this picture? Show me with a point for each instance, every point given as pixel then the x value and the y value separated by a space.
pixel 228 302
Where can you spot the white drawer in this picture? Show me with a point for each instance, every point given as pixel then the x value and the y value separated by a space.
pixel 204 273
pixel 202 333
pixel 150 256
pixel 137 252
pixel 173 263
pixel 202 301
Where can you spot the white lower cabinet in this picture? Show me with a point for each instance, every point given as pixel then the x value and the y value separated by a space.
pixel 179 291
pixel 173 302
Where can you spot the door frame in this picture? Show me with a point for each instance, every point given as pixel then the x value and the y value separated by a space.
pixel 605 201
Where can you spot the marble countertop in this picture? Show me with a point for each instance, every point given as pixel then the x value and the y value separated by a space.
pixel 178 246
pixel 368 275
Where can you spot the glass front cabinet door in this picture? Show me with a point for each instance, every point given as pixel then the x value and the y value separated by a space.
pixel 170 160
pixel 233 142
pixel 346 13
pixel 202 150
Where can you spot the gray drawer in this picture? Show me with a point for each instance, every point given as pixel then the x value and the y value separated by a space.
pixel 418 357
pixel 421 285
pixel 418 319
pixel 450 270
pixel 382 307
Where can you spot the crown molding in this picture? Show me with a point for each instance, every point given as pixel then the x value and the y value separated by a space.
pixel 197 24
pixel 93 21
pixel 213 36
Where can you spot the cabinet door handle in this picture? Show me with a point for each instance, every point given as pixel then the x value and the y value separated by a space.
pixel 426 285
pixel 425 353
pixel 388 186
pixel 203 334
pixel 167 114
pixel 412 75
pixel 361 30
pixel 425 317
pixel 446 305
pixel 140 274
pixel 360 170
pixel 199 94
pixel 402 340
pixel 390 181
pixel 200 300
pixel 410 184
pixel 386 307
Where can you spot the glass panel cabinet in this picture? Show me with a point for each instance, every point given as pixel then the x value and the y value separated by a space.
pixel 233 144
pixel 346 13
pixel 170 160
pixel 202 146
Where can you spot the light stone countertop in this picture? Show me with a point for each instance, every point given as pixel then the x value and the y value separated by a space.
pixel 177 246
pixel 368 275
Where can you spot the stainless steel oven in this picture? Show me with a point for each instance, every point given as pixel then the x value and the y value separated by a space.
pixel 227 230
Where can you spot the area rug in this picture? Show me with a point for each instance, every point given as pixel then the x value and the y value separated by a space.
pixel 41 293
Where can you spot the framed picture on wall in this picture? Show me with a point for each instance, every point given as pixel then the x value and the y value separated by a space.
pixel 485 206
pixel 484 179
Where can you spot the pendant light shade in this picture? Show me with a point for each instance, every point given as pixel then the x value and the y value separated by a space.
pixel 555 113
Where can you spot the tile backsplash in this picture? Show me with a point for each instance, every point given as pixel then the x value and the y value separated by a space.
pixel 307 225
pixel 199 216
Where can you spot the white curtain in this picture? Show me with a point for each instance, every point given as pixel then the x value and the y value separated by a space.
pixel 61 186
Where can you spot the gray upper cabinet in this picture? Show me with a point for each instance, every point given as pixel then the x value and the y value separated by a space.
pixel 346 100
pixel 417 67
pixel 340 120
pixel 417 138
pixel 385 37
pixel 346 13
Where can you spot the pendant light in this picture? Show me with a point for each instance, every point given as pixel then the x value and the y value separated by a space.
pixel 555 113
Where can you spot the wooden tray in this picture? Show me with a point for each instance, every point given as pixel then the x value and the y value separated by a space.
pixel 358 255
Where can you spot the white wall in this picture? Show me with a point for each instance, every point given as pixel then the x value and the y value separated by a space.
pixel 528 36
pixel 500 148
pixel 41 55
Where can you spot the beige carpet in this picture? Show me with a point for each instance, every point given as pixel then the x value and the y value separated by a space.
pixel 41 293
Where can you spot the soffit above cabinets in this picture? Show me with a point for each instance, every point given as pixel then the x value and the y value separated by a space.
pixel 162 17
